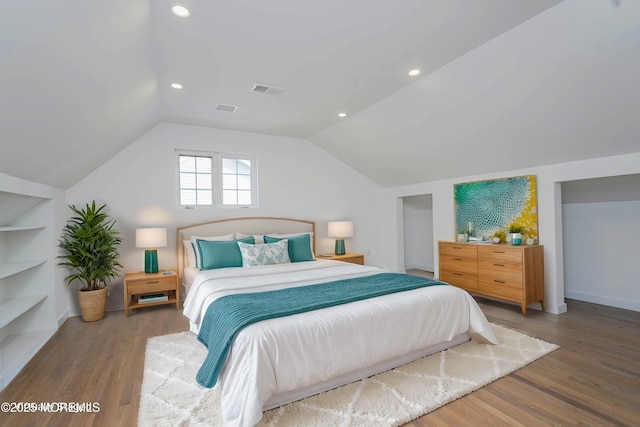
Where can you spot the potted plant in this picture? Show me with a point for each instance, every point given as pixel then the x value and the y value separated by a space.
pixel 90 242
pixel 515 232
pixel 499 236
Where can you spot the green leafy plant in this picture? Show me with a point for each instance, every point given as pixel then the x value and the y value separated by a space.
pixel 90 242
pixel 500 235
pixel 514 227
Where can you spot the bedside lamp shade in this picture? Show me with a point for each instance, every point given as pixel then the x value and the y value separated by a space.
pixel 150 239
pixel 340 230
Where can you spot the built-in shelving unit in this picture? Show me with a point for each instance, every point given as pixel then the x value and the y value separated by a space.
pixel 27 288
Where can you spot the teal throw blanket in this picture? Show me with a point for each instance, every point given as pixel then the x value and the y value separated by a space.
pixel 227 315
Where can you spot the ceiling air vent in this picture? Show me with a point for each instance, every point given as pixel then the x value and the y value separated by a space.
pixel 265 88
pixel 226 107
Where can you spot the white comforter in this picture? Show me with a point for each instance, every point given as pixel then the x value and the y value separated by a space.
pixel 265 357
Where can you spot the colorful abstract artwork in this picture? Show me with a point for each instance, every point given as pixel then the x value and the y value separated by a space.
pixel 488 206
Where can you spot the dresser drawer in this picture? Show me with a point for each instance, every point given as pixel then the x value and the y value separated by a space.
pixel 459 250
pixel 142 286
pixel 505 289
pixel 501 253
pixel 458 263
pixel 468 281
pixel 500 270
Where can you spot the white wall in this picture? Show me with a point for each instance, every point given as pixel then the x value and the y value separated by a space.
pixel 601 237
pixel 418 232
pixel 549 179
pixel 601 247
pixel 296 179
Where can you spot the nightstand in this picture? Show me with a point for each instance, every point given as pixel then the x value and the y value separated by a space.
pixel 139 284
pixel 348 257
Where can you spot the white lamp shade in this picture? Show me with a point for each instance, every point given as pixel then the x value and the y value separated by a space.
pixel 340 229
pixel 151 237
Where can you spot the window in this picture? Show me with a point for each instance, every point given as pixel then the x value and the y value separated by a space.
pixel 236 181
pixel 196 180
pixel 210 179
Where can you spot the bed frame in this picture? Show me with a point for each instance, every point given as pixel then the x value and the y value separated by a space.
pixel 245 225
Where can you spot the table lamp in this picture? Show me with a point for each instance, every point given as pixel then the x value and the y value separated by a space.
pixel 340 230
pixel 150 239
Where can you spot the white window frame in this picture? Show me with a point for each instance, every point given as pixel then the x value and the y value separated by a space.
pixel 217 179
pixel 253 180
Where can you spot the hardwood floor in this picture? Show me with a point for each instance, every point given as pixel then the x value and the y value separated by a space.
pixel 592 380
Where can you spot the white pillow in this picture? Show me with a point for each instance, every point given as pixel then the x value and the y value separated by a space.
pixel 265 254
pixel 194 245
pixel 190 252
pixel 258 238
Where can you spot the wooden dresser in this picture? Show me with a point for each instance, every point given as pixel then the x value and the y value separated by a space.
pixel 510 273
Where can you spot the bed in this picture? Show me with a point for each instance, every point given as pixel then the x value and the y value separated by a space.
pixel 280 360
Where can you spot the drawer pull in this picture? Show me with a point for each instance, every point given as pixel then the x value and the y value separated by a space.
pixel 498 265
pixel 457 259
pixel 499 281
pixel 458 274
pixel 457 247
pixel 155 281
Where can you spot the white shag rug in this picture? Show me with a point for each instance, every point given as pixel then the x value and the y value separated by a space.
pixel 170 395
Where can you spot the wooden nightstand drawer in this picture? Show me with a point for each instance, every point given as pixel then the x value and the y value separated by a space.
pixel 151 285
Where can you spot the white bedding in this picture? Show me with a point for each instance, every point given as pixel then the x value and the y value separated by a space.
pixel 265 359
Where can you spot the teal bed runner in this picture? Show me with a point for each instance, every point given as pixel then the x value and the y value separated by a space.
pixel 227 315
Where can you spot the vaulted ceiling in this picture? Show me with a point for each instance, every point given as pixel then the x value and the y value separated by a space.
pixel 545 80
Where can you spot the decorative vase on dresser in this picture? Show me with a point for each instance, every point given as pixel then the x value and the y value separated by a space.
pixel 505 272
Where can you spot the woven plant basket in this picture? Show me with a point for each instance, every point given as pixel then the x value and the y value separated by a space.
pixel 93 304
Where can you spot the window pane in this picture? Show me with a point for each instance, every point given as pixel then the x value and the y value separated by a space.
pixel 204 181
pixel 229 197
pixel 229 182
pixel 244 197
pixel 187 197
pixel 203 165
pixel 187 164
pixel 187 180
pixel 244 167
pixel 244 182
pixel 229 166
pixel 204 197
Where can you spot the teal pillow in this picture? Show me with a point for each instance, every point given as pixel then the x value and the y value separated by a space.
pixel 221 254
pixel 299 247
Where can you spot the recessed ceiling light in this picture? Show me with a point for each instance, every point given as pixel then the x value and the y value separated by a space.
pixel 176 85
pixel 342 114
pixel 180 10
pixel 414 72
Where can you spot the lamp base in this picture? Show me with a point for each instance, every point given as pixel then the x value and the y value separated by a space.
pixel 340 247
pixel 150 261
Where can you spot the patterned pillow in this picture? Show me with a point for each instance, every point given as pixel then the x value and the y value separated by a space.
pixel 268 253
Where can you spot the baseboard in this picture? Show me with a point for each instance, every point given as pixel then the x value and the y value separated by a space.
pixel 423 267
pixel 602 300
pixel 63 318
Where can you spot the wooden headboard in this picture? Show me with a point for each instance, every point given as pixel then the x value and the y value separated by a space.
pixel 245 225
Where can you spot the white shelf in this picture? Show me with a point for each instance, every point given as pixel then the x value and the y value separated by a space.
pixel 14 267
pixel 13 308
pixel 20 228
pixel 16 350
